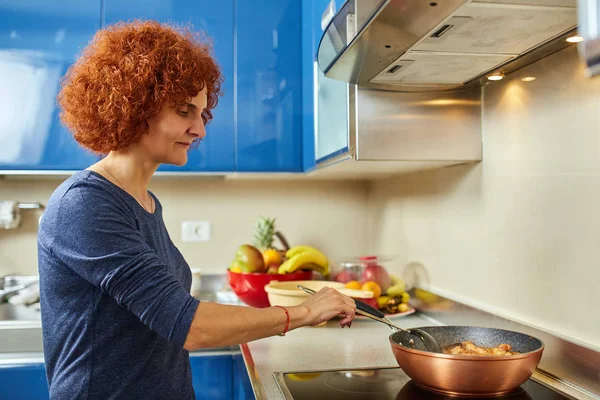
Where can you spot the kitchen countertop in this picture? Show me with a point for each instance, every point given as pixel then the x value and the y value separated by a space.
pixel 363 345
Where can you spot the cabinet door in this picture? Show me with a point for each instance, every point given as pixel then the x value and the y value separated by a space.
pixel 215 18
pixel 242 388
pixel 39 40
pixel 328 130
pixel 269 92
pixel 23 382
pixel 211 375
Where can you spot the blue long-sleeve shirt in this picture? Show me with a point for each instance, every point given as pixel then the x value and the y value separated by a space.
pixel 114 293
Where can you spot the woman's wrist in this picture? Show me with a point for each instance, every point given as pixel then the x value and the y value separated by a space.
pixel 300 316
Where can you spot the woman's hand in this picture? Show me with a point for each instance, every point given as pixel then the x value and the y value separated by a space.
pixel 328 303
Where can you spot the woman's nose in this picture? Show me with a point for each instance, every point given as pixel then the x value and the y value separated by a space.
pixel 198 130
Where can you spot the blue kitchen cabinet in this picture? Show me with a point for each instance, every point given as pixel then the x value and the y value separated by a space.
pixel 212 375
pixel 23 382
pixel 325 101
pixel 216 375
pixel 39 40
pixel 269 86
pixel 216 152
pixel 242 388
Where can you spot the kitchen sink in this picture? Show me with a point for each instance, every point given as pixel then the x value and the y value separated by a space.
pixel 9 312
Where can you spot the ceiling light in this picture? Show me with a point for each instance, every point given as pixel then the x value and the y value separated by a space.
pixel 575 39
pixel 528 79
pixel 495 77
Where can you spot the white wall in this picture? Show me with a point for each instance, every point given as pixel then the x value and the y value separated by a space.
pixel 330 215
pixel 518 233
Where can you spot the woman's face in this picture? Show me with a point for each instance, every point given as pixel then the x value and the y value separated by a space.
pixel 171 132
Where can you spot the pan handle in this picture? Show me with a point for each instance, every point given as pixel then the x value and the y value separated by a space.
pixel 362 306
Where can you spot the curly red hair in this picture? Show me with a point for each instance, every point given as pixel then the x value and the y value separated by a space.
pixel 129 72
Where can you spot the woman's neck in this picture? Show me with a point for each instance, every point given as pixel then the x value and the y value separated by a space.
pixel 130 171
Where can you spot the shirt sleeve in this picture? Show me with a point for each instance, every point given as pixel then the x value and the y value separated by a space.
pixel 97 237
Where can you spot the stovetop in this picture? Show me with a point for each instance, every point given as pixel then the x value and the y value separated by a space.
pixel 380 384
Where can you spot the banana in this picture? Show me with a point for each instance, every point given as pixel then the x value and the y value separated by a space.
pixel 397 289
pixel 395 279
pixel 315 267
pixel 382 301
pixel 303 260
pixel 300 249
pixel 405 297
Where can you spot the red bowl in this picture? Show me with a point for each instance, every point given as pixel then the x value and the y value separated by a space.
pixel 250 287
pixel 372 302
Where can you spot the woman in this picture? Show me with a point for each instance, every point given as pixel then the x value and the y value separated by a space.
pixel 117 317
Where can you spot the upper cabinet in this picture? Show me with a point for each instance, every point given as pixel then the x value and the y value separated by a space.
pixel 269 86
pixel 216 152
pixel 257 125
pixel 39 39
pixel 325 102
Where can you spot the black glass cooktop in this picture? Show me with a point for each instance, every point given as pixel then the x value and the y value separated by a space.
pixel 381 384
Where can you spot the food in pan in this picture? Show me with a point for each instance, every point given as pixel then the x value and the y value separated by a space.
pixel 469 348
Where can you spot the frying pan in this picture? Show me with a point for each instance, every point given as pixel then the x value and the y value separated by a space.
pixel 467 376
pixel 460 375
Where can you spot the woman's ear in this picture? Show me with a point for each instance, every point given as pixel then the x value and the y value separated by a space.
pixel 144 127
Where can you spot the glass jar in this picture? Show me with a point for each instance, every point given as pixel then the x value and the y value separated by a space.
pixel 362 269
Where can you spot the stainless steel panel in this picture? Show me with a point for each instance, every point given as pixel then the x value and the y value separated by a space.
pixel 9 312
pixel 488 28
pixel 397 26
pixel 20 337
pixel 589 29
pixel 434 126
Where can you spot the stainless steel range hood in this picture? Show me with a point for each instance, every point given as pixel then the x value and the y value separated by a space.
pixel 424 45
pixel 589 23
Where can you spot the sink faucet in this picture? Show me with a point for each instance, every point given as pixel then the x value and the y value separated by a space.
pixel 4 293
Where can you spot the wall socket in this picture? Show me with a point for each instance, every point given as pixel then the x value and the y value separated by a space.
pixel 195 231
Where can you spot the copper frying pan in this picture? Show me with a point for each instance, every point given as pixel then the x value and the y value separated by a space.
pixel 459 375
pixel 468 376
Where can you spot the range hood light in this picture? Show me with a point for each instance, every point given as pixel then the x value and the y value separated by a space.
pixel 528 79
pixel 495 77
pixel 575 39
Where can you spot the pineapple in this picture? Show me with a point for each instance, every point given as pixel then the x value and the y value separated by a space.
pixel 265 232
pixel 263 240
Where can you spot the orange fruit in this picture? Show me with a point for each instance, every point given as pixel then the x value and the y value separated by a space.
pixel 372 287
pixel 271 257
pixel 353 285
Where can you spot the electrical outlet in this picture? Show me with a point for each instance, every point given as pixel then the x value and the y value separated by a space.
pixel 195 231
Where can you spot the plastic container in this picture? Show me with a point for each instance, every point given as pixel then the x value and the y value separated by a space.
pixel 287 294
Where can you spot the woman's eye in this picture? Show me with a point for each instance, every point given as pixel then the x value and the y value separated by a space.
pixel 182 112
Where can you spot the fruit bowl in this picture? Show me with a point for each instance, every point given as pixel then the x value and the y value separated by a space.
pixel 250 287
